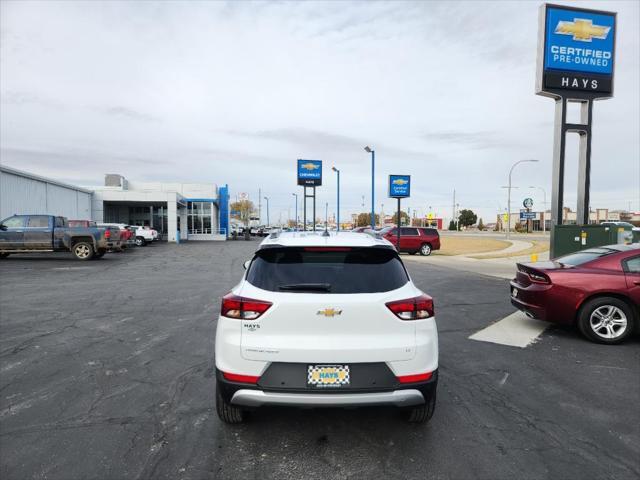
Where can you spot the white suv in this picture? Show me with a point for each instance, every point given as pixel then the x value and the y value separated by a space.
pixel 323 320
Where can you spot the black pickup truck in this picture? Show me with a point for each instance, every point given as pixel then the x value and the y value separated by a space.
pixel 46 233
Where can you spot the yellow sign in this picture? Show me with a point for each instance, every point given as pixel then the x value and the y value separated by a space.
pixel 582 29
pixel 310 166
pixel 505 218
pixel 430 216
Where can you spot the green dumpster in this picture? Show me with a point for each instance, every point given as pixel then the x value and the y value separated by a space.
pixel 572 238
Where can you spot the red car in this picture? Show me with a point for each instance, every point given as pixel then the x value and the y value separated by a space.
pixel 598 289
pixel 414 239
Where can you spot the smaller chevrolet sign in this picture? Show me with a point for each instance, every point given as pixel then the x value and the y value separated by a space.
pixel 577 51
pixel 309 172
pixel 399 186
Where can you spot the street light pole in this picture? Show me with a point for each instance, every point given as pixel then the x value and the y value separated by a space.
pixel 267 199
pixel 373 193
pixel 544 203
pixel 296 218
pixel 338 212
pixel 509 196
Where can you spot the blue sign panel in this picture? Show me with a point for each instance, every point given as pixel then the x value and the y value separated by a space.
pixel 579 40
pixel 578 50
pixel 527 215
pixel 399 186
pixel 309 172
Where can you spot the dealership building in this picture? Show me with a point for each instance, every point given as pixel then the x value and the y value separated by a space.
pixel 178 211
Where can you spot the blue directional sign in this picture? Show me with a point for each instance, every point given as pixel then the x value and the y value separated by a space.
pixel 527 215
pixel 578 49
pixel 399 186
pixel 309 172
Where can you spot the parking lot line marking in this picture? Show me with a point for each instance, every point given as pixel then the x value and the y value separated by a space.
pixel 516 330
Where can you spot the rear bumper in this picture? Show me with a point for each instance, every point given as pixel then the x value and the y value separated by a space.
pixel 259 398
pixel 396 394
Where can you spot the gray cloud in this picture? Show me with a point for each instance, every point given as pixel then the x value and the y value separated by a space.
pixel 235 92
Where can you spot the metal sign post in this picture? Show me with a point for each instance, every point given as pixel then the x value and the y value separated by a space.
pixel 399 187
pixel 309 176
pixel 576 57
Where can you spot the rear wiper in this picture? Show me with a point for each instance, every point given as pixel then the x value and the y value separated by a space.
pixel 308 287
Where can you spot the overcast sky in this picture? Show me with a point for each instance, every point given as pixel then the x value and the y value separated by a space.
pixel 236 92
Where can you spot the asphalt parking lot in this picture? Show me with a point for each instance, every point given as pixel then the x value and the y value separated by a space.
pixel 107 372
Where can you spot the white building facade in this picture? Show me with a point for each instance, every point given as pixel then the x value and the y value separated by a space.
pixel 178 211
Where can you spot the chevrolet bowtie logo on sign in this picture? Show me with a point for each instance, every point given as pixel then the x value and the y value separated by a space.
pixel 329 312
pixel 310 166
pixel 400 181
pixel 582 30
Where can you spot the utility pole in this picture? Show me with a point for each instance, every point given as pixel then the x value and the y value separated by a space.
pixel 260 206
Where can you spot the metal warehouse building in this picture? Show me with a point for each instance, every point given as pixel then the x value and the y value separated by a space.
pixel 178 211
pixel 22 193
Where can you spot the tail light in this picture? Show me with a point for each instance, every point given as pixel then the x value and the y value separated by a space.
pixel 242 308
pixel 412 308
pixel 235 377
pixel 107 234
pixel 539 277
pixel 417 377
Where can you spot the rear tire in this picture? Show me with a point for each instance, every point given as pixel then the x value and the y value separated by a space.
pixel 140 241
pixel 425 250
pixel 606 320
pixel 422 413
pixel 83 251
pixel 228 413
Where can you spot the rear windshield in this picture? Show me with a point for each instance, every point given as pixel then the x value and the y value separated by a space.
pixel 584 256
pixel 327 270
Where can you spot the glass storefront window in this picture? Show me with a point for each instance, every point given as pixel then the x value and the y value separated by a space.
pixel 199 214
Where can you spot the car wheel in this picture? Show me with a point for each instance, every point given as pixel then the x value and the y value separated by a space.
pixel 228 413
pixel 607 320
pixel 425 250
pixel 140 241
pixel 4 255
pixel 83 251
pixel 424 412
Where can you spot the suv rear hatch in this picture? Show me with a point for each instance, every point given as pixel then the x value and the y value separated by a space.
pixel 328 305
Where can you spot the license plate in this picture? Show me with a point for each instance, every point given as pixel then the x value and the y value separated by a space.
pixel 514 292
pixel 328 376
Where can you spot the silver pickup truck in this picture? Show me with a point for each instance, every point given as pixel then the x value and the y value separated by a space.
pixel 47 233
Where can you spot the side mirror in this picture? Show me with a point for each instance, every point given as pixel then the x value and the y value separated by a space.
pixel 3 227
pixel 246 264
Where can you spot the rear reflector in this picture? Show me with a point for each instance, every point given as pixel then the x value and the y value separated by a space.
pixel 234 377
pixel 242 308
pixel 415 308
pixel 418 377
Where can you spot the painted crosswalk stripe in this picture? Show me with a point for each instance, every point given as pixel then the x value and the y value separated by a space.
pixel 516 330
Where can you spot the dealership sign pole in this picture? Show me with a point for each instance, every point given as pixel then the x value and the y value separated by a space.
pixel 576 56
pixel 309 176
pixel 399 187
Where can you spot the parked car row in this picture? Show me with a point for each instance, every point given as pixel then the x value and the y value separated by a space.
pixel 85 239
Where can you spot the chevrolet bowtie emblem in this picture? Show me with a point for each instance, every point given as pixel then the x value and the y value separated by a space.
pixel 310 166
pixel 582 30
pixel 400 181
pixel 329 312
